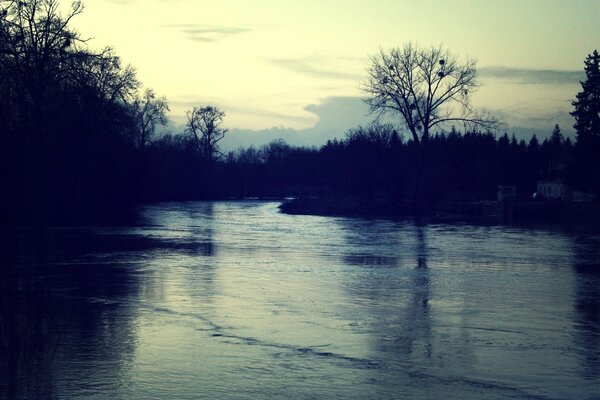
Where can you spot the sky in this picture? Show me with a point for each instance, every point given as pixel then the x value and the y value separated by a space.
pixel 293 69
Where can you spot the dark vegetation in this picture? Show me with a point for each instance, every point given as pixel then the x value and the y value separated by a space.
pixel 78 141
pixel 376 162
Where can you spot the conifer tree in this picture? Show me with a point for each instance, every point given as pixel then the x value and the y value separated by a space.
pixel 585 170
pixel 587 105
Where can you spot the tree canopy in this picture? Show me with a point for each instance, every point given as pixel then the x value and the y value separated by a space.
pixel 585 169
pixel 587 104
pixel 204 125
pixel 427 87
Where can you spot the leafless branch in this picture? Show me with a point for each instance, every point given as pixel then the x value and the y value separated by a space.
pixel 426 87
pixel 204 124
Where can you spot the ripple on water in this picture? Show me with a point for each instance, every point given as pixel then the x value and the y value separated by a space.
pixel 234 300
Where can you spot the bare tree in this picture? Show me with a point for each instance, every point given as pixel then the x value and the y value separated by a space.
pixel 428 88
pixel 204 124
pixel 104 73
pixel 41 55
pixel 148 112
pixel 37 44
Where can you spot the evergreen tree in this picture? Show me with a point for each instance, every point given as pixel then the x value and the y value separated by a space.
pixel 534 144
pixel 553 151
pixel 556 138
pixel 585 170
pixel 587 105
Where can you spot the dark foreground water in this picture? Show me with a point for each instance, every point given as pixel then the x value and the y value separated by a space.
pixel 234 300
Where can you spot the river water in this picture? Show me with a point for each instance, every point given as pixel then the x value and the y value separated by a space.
pixel 234 300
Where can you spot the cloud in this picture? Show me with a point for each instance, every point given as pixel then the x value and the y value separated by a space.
pixel 187 103
pixel 335 116
pixel 340 113
pixel 525 119
pixel 315 66
pixel 533 76
pixel 207 33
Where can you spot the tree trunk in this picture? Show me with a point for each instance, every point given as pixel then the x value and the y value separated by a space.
pixel 419 199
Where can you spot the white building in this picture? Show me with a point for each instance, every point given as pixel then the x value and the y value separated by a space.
pixel 553 190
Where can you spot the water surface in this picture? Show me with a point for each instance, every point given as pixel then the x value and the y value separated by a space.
pixel 234 300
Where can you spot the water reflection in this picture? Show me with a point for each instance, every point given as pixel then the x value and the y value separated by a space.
pixel 449 308
pixel 587 305
pixel 198 267
pixel 199 225
pixel 28 344
pixel 210 299
pixel 398 298
pixel 59 309
pixel 417 314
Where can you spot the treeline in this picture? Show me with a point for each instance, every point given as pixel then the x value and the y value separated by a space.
pixel 374 161
pixel 66 119
pixel 77 130
pixel 77 142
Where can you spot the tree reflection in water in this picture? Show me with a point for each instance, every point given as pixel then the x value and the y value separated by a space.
pixel 587 305
pixel 242 296
pixel 58 312
pixel 399 295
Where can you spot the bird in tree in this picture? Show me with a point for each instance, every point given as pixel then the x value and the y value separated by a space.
pixel 41 56
pixel 427 88
pixel 37 49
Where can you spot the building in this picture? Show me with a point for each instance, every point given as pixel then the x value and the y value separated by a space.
pixel 556 189
pixel 553 189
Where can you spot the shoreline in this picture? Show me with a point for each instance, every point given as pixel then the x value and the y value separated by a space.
pixel 521 213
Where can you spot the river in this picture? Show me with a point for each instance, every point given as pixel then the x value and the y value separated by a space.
pixel 234 300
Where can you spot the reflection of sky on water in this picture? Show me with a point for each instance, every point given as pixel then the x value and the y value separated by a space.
pixel 237 300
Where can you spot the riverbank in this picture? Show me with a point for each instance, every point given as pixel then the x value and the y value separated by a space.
pixel 531 213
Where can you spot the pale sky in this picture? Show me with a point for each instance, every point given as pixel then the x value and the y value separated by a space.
pixel 292 64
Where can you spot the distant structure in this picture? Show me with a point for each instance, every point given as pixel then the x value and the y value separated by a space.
pixel 553 189
pixel 582 197
pixel 558 190
pixel 506 193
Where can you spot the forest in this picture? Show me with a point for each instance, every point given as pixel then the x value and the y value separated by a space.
pixel 79 142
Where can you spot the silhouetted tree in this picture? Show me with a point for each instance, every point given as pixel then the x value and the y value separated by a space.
pixel 587 105
pixel 370 148
pixel 534 144
pixel 556 137
pixel 585 170
pixel 148 112
pixel 38 51
pixel 64 116
pixel 107 77
pixel 46 68
pixel 204 125
pixel 554 152
pixel 427 88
